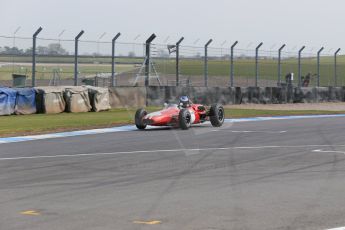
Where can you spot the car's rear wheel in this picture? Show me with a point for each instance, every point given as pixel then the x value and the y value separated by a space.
pixel 217 115
pixel 139 118
pixel 184 119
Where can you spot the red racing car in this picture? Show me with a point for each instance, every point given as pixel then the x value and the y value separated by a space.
pixel 181 115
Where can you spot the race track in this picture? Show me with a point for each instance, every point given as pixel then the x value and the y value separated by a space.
pixel 280 174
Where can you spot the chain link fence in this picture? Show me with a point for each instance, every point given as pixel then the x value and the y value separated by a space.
pixel 55 63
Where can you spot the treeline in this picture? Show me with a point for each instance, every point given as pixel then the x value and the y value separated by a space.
pixel 51 49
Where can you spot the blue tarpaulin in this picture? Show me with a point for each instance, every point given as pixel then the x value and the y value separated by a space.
pixel 26 101
pixel 7 101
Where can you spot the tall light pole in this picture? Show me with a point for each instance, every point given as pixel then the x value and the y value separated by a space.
pixel 100 37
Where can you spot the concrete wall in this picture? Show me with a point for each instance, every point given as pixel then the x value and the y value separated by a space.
pixel 121 97
pixel 157 96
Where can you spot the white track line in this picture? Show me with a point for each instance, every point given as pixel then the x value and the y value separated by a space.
pixel 160 150
pixel 248 131
pixel 327 151
pixel 340 228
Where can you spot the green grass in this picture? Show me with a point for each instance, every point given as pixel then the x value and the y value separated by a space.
pixel 42 123
pixel 268 69
pixel 68 59
pixel 45 123
pixel 65 71
pixel 243 68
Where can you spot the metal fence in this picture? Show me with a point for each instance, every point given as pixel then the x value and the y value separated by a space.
pixel 76 61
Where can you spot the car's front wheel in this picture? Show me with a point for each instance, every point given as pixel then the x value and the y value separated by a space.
pixel 139 118
pixel 185 119
pixel 217 115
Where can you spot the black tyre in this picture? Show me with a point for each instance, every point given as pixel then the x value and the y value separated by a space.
pixel 184 119
pixel 139 118
pixel 217 115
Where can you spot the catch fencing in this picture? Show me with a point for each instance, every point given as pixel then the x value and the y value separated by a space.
pixel 76 61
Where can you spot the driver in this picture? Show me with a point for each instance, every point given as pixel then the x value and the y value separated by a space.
pixel 184 102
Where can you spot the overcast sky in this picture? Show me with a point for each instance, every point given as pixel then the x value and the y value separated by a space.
pixel 313 23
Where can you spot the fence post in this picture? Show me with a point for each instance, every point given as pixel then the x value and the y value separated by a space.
pixel 279 64
pixel 147 58
pixel 113 80
pixel 34 56
pixel 335 67
pixel 257 64
pixel 232 64
pixel 318 66
pixel 76 57
pixel 206 64
pixel 299 66
pixel 178 61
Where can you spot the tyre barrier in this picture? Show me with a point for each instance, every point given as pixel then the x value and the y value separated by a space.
pixel 52 100
pixel 25 101
pixel 83 99
pixel 7 101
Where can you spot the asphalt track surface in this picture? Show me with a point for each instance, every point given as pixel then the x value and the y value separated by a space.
pixel 283 174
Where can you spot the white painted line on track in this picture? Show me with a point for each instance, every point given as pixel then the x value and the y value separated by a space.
pixel 340 228
pixel 6 140
pixel 159 151
pixel 286 146
pixel 248 131
pixel 327 151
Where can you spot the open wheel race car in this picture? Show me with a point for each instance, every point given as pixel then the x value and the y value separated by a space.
pixel 181 115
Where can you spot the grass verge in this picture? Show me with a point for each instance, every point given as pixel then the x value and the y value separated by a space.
pixel 47 123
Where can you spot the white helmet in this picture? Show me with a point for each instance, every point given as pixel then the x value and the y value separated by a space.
pixel 184 101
